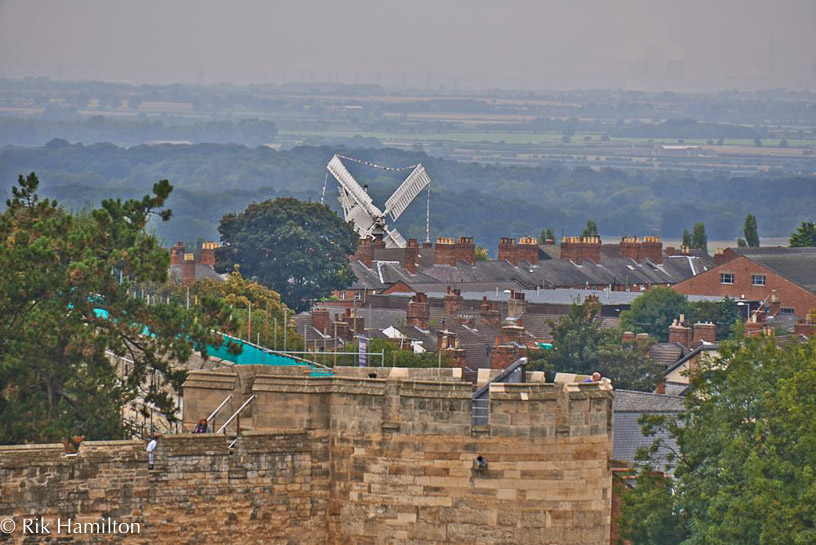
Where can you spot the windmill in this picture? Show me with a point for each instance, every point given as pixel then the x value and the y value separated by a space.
pixel 359 209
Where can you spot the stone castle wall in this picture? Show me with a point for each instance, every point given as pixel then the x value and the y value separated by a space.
pixel 403 459
pixel 346 460
pixel 197 493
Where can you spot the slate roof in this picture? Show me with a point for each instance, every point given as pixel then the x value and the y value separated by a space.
pixel 676 388
pixel 202 272
pixel 684 359
pixel 552 273
pixel 557 296
pixel 630 400
pixel 666 353
pixel 795 264
pixel 628 407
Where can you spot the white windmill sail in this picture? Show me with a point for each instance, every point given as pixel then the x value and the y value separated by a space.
pixel 359 208
pixel 393 239
pixel 406 192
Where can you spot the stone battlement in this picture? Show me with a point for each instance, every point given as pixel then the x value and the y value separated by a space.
pixel 344 460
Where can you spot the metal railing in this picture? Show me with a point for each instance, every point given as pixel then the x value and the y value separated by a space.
pixel 236 415
pixel 212 416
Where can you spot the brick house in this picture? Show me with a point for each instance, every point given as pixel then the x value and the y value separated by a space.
pixel 751 274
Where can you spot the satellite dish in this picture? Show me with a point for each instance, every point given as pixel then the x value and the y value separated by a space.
pixel 359 209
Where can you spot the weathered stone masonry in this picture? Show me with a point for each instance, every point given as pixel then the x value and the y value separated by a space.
pixel 198 493
pixel 349 460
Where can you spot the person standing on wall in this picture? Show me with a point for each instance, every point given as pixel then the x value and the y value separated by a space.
pixel 151 448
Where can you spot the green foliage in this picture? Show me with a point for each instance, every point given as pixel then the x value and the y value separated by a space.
pixel 299 249
pixel 750 231
pixel 805 235
pixel 686 241
pixel 591 230
pixel 481 254
pixel 545 235
pixel 748 446
pixel 724 314
pixel 741 243
pixel 699 239
pixel 395 355
pixel 56 379
pixel 745 470
pixel 212 180
pixel 650 516
pixel 581 345
pixel 268 312
pixel 653 311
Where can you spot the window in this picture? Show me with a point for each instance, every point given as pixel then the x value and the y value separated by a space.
pixel 786 310
pixel 757 279
pixel 726 278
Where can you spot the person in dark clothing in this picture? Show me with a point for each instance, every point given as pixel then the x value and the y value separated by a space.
pixel 201 427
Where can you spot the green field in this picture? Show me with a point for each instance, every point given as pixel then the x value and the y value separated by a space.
pixel 522 138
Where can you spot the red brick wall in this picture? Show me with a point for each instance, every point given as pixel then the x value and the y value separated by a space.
pixel 177 254
pixel 466 250
pixel 320 319
pixel 419 312
pixel 411 255
pixel 527 250
pixel 445 252
pixel 507 250
pixel 364 253
pixel 580 249
pixel 188 270
pixel 708 283
pixel 452 301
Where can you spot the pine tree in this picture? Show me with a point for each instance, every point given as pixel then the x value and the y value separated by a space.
pixel 699 239
pixel 591 230
pixel 750 231
pixel 686 239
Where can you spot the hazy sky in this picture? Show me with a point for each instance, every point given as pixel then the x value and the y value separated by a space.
pixel 652 44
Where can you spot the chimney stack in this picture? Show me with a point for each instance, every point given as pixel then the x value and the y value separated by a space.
pixel 445 339
pixel 320 320
pixel 516 305
pixel 507 250
pixel 445 251
pixel 680 334
pixel 466 250
pixel 719 257
pixel 704 332
pixel 580 249
pixel 452 301
pixel 207 254
pixel 177 254
pixel 411 255
pixel 364 252
pixel 457 357
pixel 774 304
pixel 528 250
pixel 652 248
pixel 188 270
pixel 490 312
pixel 419 311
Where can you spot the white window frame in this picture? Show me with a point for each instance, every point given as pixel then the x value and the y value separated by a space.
pixel 762 277
pixel 722 278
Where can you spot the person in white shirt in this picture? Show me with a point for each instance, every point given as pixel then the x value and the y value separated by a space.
pixel 151 447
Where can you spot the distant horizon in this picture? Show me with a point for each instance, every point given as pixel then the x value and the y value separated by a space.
pixel 462 90
pixel 654 45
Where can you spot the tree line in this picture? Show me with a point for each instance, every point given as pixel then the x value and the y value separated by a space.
pixel 213 180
